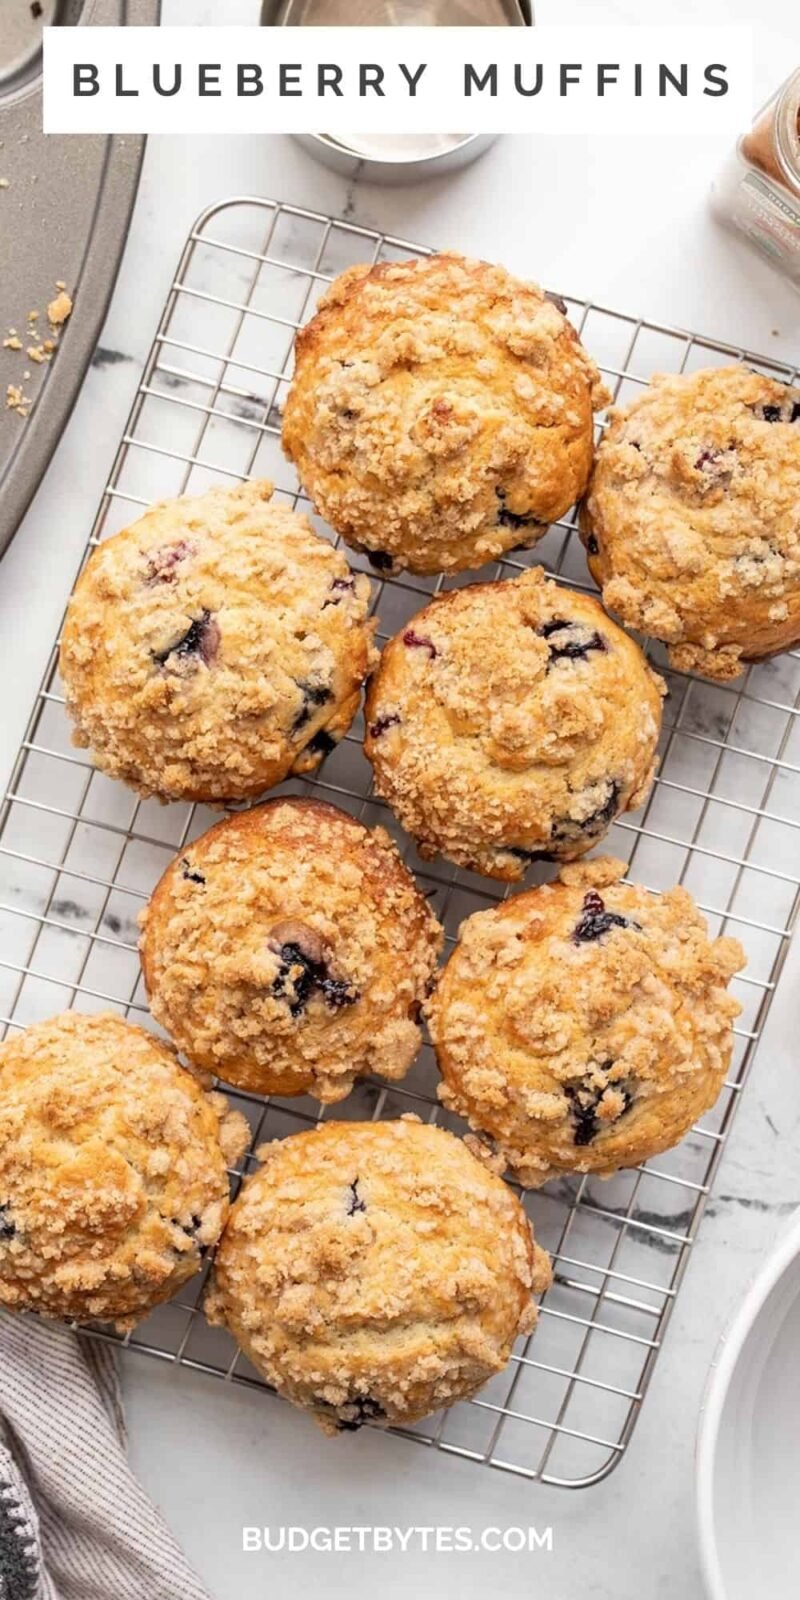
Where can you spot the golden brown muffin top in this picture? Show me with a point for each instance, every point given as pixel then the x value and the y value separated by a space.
pixel 289 949
pixel 691 523
pixel 586 1023
pixel 214 646
pixel 112 1169
pixel 441 411
pixel 512 720
pixel 376 1269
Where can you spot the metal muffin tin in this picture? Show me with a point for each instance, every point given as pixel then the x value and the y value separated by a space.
pixel 64 216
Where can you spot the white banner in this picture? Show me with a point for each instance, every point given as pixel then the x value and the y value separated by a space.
pixel 641 80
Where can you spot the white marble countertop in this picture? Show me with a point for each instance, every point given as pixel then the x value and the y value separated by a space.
pixel 629 226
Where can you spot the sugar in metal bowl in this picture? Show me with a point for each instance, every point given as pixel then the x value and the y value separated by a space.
pixel 396 158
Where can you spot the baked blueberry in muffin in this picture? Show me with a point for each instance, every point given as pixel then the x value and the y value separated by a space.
pixel 691 524
pixel 441 412
pixel 214 647
pixel 584 1025
pixel 374 1272
pixel 512 722
pixel 289 950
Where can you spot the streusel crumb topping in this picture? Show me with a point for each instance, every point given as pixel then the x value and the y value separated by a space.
pixel 511 722
pixel 691 524
pixel 113 1162
pixel 441 412
pixel 215 646
pixel 376 1271
pixel 289 950
pixel 586 1024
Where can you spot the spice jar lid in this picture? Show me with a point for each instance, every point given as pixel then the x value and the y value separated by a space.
pixel 787 129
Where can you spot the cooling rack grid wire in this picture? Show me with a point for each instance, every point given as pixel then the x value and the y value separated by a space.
pixel 79 854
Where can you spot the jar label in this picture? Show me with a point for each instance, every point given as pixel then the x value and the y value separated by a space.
pixel 771 219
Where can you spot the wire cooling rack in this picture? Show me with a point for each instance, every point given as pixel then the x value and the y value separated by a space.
pixel 79 854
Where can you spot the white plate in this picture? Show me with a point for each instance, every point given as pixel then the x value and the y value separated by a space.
pixel 748 1447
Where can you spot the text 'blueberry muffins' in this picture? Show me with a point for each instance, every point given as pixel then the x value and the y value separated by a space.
pixel 692 526
pixel 511 722
pixel 289 950
pixel 374 1272
pixel 585 1025
pixel 215 646
pixel 441 412
pixel 113 1179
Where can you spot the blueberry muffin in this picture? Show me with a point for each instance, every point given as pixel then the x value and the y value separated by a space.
pixel 585 1025
pixel 113 1178
pixel 215 646
pixel 691 524
pixel 512 722
pixel 441 412
pixel 374 1272
pixel 289 950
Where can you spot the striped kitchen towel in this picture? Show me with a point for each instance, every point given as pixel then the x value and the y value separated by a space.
pixel 74 1523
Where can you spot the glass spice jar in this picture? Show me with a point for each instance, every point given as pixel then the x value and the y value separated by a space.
pixel 758 191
